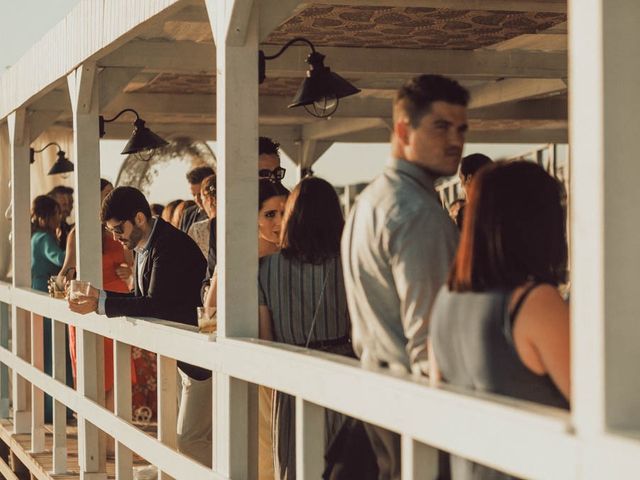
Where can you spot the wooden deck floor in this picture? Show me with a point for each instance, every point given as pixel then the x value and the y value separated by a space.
pixel 40 465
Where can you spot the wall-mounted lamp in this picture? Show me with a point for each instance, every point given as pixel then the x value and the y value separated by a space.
pixel 321 90
pixel 142 139
pixel 61 166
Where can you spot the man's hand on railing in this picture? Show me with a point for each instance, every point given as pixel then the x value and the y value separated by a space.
pixel 84 304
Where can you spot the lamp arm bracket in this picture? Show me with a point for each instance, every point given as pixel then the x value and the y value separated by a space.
pixel 47 146
pixel 107 120
pixel 288 44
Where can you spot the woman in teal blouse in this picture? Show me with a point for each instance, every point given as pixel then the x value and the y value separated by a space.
pixel 46 256
pixel 46 260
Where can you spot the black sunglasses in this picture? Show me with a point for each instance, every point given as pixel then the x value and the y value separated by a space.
pixel 275 174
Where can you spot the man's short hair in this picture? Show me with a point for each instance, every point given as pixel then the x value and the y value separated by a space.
pixel 123 203
pixel 196 175
pixel 472 163
pixel 60 190
pixel 266 146
pixel 415 97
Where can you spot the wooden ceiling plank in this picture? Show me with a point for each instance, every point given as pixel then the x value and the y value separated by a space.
pixel 199 58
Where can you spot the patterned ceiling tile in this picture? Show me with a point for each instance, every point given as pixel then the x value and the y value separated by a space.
pixel 410 27
pixel 206 84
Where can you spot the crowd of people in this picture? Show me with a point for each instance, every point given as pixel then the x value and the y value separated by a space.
pixel 472 302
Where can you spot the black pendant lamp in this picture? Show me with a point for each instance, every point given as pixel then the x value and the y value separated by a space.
pixel 321 90
pixel 62 164
pixel 142 139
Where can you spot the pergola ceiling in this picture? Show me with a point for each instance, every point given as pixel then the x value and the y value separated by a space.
pixel 513 62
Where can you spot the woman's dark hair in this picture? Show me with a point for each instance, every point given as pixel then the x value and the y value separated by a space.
pixel 169 208
pixel 313 222
pixel 514 230
pixel 104 183
pixel 43 209
pixel 268 189
pixel 470 164
pixel 123 203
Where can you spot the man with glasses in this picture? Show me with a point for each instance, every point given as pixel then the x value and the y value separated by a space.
pixel 269 160
pixel 168 270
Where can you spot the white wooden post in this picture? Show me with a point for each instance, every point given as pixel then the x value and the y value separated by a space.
pixel 167 411
pixel 59 409
pixel 21 253
pixel 83 92
pixel 604 109
pixel 418 460
pixel 309 440
pixel 235 27
pixel 37 395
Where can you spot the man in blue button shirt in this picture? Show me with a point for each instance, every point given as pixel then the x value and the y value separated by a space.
pixel 398 241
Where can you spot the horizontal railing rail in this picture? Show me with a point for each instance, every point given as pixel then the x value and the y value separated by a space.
pixel 488 429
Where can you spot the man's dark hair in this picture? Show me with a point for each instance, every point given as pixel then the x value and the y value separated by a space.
pixel 313 222
pixel 123 203
pixel 156 209
pixel 60 190
pixel 514 230
pixel 472 163
pixel 266 146
pixel 416 96
pixel 196 175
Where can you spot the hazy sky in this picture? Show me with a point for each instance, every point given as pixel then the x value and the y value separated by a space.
pixel 24 22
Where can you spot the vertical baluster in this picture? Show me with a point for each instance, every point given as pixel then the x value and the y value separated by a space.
pixel 59 410
pixel 167 411
pixel 310 426
pixel 4 371
pixel 418 460
pixel 122 386
pixel 37 395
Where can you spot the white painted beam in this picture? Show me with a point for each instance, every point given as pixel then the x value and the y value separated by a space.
pixel 350 62
pixel 510 90
pixel 274 13
pixel 112 82
pixel 329 128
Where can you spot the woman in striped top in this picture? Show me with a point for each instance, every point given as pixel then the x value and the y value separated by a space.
pixel 302 297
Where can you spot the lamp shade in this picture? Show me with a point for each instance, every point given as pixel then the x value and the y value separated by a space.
pixel 62 165
pixel 142 139
pixel 321 84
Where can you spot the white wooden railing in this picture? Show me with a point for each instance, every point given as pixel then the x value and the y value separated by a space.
pixel 524 439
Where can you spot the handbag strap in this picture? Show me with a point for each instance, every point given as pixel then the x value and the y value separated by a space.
pixel 315 314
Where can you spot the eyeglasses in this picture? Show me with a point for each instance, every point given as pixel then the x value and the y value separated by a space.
pixel 117 230
pixel 275 174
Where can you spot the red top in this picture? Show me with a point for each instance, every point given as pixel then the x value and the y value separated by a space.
pixel 112 258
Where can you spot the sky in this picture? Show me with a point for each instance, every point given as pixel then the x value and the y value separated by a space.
pixel 24 22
